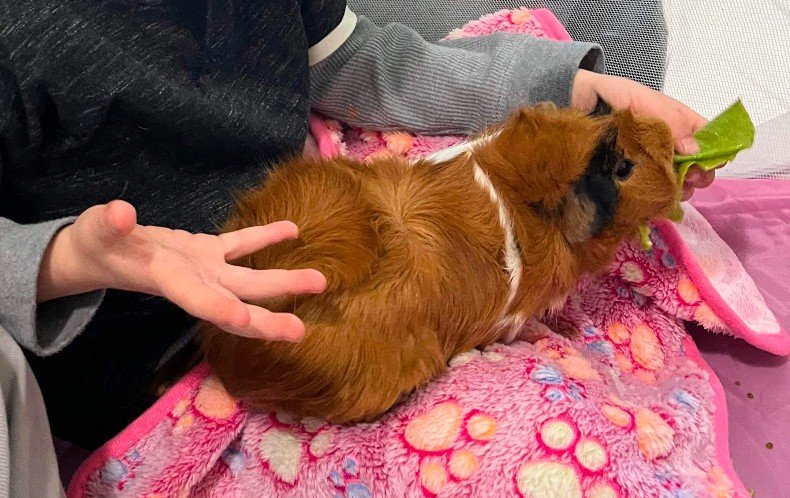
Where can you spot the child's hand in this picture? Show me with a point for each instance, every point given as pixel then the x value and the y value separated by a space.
pixel 106 248
pixel 622 93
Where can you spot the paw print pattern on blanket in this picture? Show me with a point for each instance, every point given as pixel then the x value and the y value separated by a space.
pixel 435 434
pixel 656 277
pixel 556 387
pixel 346 481
pixel 117 471
pixel 290 441
pixel 637 349
pixel 570 456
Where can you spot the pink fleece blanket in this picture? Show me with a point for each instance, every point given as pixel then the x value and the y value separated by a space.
pixel 627 407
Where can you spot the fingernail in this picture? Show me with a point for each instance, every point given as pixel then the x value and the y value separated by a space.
pixel 277 336
pixel 321 283
pixel 689 146
pixel 292 338
pixel 693 176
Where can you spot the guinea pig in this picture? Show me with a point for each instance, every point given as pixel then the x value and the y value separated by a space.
pixel 431 258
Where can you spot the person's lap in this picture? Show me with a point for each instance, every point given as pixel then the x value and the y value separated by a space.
pixel 27 458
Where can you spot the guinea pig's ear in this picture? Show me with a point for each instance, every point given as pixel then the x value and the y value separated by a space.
pixel 647 135
pixel 524 123
pixel 528 121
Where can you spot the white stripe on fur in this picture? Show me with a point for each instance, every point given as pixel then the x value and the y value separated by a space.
pixel 509 323
pixel 512 255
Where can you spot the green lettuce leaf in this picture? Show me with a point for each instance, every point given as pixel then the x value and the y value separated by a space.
pixel 719 142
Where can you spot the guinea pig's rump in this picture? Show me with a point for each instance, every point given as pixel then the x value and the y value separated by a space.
pixel 412 256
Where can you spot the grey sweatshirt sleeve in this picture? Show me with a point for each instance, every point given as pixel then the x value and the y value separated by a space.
pixel 44 328
pixel 390 77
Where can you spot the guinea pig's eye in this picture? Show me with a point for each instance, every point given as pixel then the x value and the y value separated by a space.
pixel 623 169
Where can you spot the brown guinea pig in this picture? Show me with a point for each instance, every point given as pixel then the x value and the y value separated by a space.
pixel 425 260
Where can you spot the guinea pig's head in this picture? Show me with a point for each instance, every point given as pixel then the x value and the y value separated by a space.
pixel 592 179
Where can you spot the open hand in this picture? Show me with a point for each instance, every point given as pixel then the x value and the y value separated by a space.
pixel 622 93
pixel 106 248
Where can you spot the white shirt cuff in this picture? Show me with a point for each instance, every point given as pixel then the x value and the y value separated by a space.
pixel 334 40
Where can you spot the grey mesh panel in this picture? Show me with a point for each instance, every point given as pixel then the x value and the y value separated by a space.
pixel 631 32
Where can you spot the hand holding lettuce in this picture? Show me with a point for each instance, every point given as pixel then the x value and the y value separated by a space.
pixel 719 142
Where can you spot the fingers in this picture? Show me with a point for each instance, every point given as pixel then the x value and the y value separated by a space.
pixel 227 312
pixel 108 223
pixel 583 95
pixel 688 192
pixel 248 240
pixel 684 123
pixel 622 93
pixel 207 303
pixel 705 179
pixel 273 326
pixel 698 178
pixel 250 284
pixel 687 146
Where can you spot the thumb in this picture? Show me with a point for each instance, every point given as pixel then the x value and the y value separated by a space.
pixel 113 221
pixel 686 146
pixel 684 125
pixel 121 217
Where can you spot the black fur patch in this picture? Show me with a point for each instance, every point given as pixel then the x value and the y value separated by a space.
pixel 598 183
